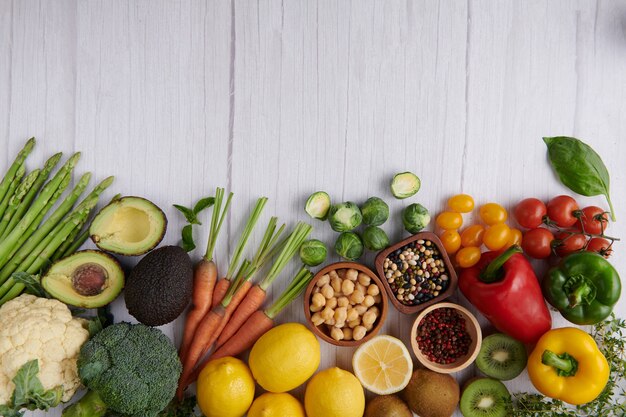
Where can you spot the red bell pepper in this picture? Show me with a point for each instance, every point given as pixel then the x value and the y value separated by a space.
pixel 504 288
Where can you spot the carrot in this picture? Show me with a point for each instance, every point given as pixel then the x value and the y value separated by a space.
pixel 205 275
pixel 220 291
pixel 259 322
pixel 256 296
pixel 205 333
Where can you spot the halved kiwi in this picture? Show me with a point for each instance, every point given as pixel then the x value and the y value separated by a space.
pixel 485 397
pixel 501 357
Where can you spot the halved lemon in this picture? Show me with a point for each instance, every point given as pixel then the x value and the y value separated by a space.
pixel 383 365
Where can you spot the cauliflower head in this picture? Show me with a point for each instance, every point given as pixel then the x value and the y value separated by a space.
pixel 42 329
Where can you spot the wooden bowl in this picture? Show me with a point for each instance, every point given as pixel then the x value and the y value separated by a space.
pixel 472 327
pixel 321 330
pixel 406 309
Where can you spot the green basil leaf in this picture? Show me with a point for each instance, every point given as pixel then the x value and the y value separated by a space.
pixel 188 243
pixel 202 204
pixel 188 213
pixel 29 392
pixel 31 282
pixel 579 167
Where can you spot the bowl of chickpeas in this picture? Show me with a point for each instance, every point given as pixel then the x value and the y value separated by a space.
pixel 345 304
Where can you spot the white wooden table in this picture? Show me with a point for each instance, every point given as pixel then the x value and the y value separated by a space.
pixel 284 98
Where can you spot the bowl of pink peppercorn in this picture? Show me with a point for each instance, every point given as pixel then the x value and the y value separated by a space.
pixel 446 337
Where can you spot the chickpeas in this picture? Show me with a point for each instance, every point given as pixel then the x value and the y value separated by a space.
pixel 345 300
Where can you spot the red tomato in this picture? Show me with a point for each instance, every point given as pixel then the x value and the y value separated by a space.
pixel 529 213
pixel 601 246
pixel 537 243
pixel 569 243
pixel 594 219
pixel 561 210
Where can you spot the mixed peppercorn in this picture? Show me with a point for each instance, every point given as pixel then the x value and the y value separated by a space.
pixel 416 272
pixel 442 336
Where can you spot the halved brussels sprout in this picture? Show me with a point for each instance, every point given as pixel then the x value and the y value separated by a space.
pixel 415 217
pixel 375 238
pixel 317 205
pixel 313 252
pixel 349 246
pixel 405 184
pixel 344 217
pixel 375 211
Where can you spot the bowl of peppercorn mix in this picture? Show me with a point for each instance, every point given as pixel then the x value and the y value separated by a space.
pixel 416 272
pixel 446 337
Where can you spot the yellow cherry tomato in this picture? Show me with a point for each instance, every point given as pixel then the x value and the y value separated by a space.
pixel 472 235
pixel 448 220
pixel 468 257
pixel 515 238
pixel 497 236
pixel 461 203
pixel 451 240
pixel 493 213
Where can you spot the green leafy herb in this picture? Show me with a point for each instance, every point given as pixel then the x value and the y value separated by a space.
pixel 610 336
pixel 191 215
pixel 29 393
pixel 579 167
pixel 31 283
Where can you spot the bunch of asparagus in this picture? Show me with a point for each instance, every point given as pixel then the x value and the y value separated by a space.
pixel 30 241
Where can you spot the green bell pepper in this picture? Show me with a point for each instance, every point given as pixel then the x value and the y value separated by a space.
pixel 584 287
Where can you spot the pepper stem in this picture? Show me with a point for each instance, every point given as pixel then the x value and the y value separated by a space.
pixel 564 364
pixel 579 290
pixel 492 272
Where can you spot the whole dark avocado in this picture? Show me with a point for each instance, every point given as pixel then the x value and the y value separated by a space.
pixel 159 288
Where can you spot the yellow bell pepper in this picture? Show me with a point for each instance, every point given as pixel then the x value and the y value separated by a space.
pixel 566 364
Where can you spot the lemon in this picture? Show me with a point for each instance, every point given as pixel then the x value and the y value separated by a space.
pixel 225 388
pixel 284 357
pixel 334 393
pixel 383 365
pixel 276 405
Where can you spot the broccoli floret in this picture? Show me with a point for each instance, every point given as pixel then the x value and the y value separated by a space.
pixel 133 368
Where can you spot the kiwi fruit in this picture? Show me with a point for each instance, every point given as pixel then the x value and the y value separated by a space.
pixel 501 357
pixel 430 394
pixel 387 406
pixel 485 397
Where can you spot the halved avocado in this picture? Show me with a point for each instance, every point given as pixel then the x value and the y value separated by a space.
pixel 88 279
pixel 128 226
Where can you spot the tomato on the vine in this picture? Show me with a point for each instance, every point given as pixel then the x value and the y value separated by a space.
pixel 472 235
pixel 529 212
pixel 537 243
pixel 451 240
pixel 468 257
pixel 601 246
pixel 594 219
pixel 493 213
pixel 569 243
pixel 561 210
pixel 497 236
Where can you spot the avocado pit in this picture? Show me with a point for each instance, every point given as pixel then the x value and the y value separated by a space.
pixel 89 279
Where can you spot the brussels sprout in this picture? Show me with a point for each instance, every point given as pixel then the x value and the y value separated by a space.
pixel 415 217
pixel 344 217
pixel 317 205
pixel 375 238
pixel 313 252
pixel 405 184
pixel 349 245
pixel 375 211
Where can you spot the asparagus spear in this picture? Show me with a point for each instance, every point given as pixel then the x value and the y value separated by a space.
pixel 76 239
pixel 28 199
pixel 18 162
pixel 11 190
pixel 45 249
pixel 22 250
pixel 8 244
pixel 20 193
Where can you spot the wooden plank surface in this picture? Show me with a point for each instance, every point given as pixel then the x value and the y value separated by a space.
pixel 280 99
